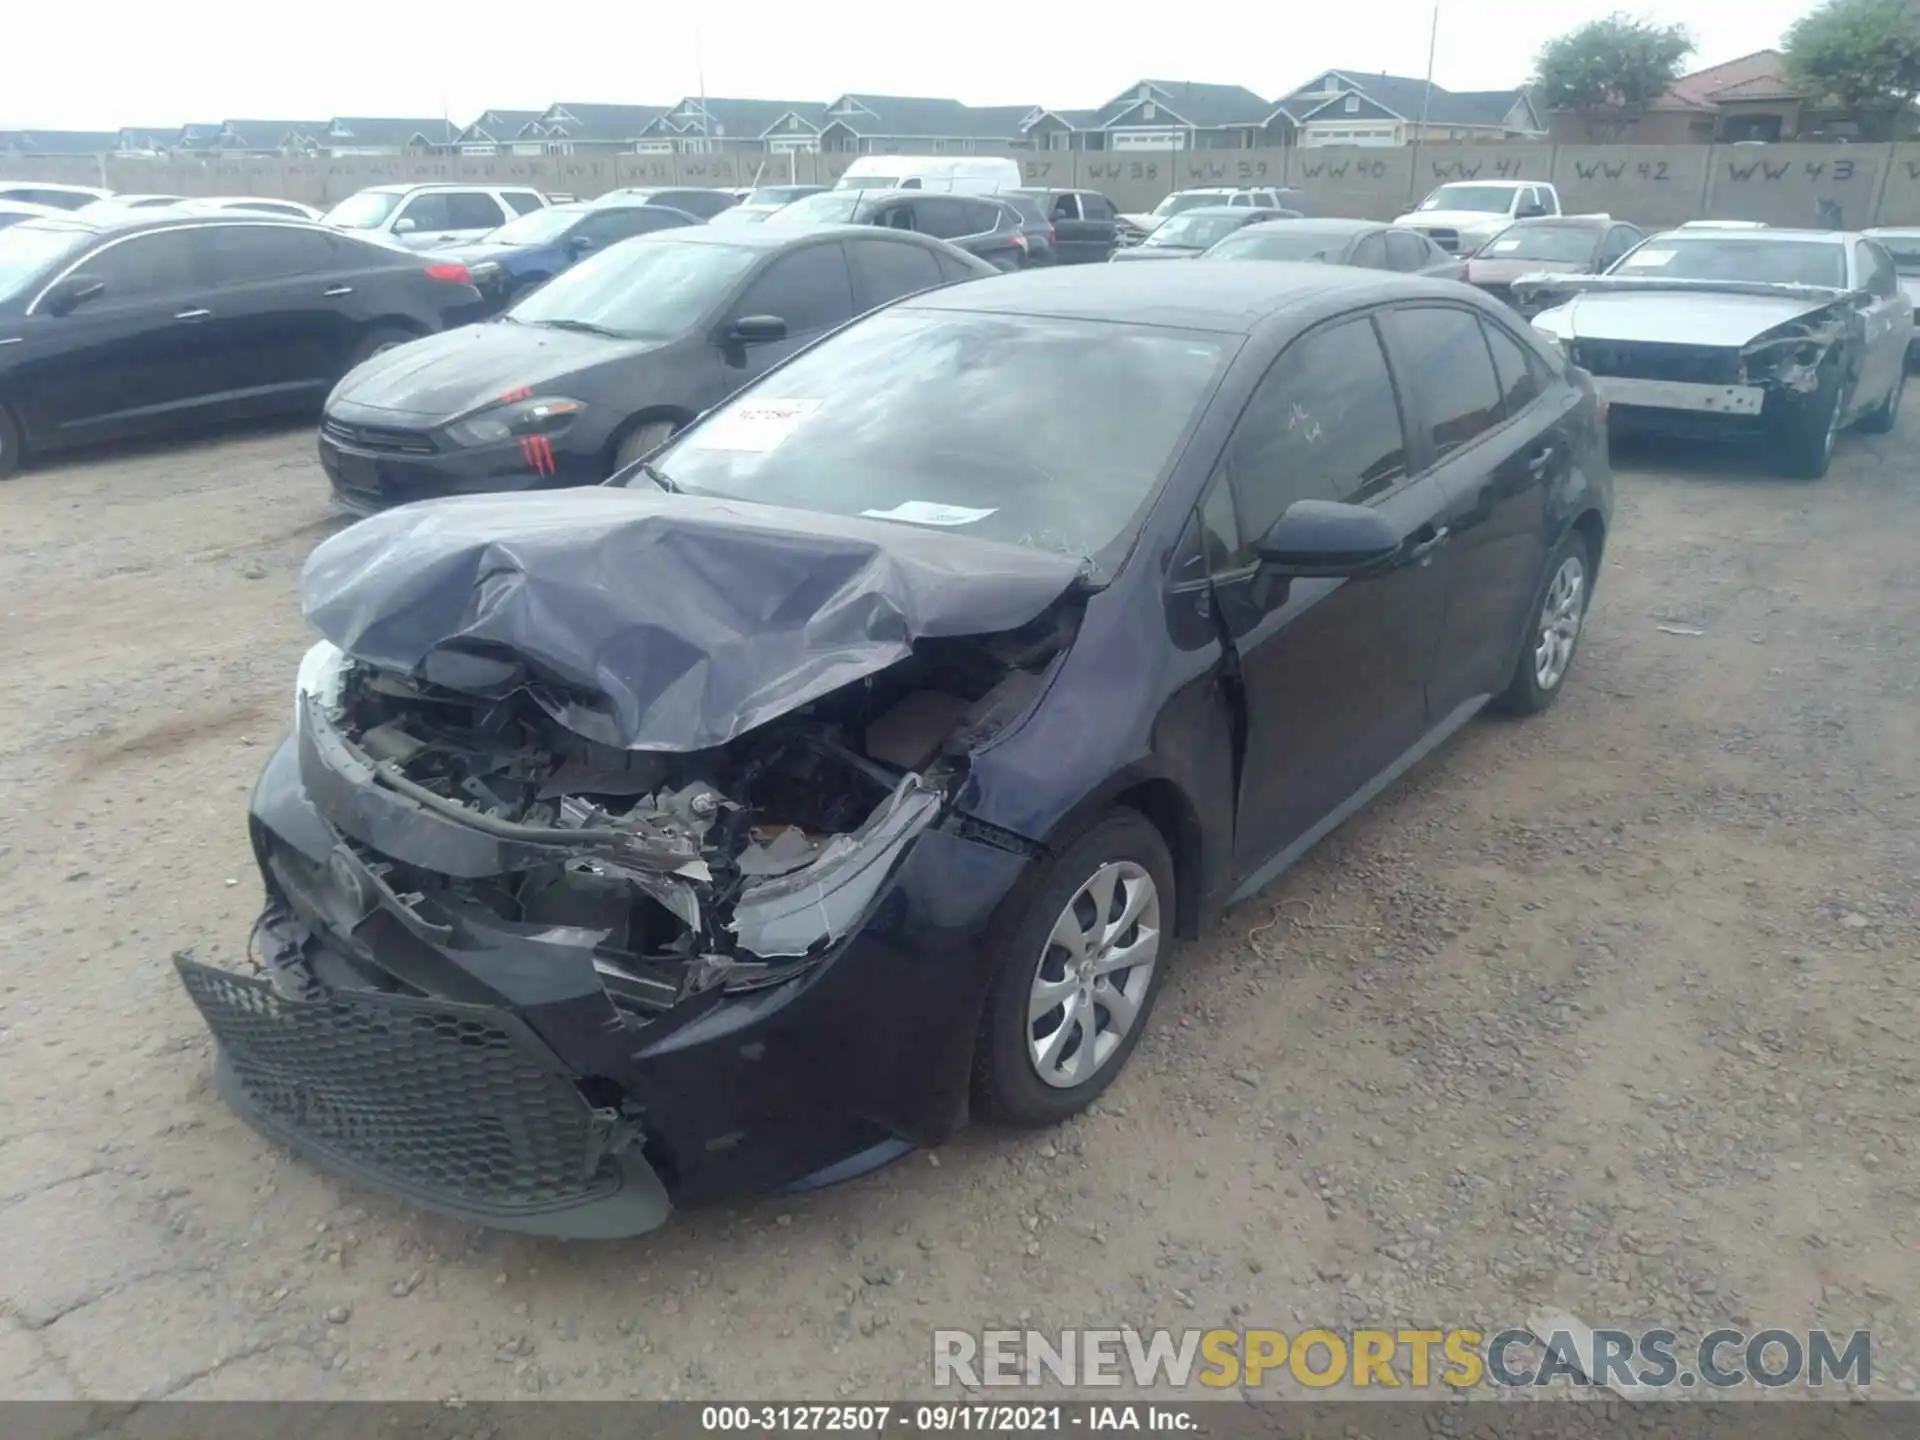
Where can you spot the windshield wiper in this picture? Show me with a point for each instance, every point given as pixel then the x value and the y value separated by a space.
pixel 654 473
pixel 583 327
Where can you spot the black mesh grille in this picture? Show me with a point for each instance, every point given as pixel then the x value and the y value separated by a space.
pixel 1646 360
pixel 386 438
pixel 446 1101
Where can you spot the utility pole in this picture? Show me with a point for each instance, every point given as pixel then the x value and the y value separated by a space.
pixel 1426 98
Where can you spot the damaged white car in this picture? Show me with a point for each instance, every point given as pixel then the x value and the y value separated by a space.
pixel 1789 336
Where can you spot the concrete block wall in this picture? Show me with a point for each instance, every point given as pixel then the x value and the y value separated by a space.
pixel 1650 185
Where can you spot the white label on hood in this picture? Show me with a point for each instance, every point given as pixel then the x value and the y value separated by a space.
pixel 926 512
pixel 754 429
pixel 1641 258
pixel 1501 247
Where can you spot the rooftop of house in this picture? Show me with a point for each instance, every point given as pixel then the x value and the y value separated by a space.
pixel 579 120
pixel 1761 75
pixel 1403 96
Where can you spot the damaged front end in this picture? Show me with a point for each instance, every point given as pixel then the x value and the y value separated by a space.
pixel 526 976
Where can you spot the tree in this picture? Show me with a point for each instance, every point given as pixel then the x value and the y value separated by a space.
pixel 1862 54
pixel 1608 71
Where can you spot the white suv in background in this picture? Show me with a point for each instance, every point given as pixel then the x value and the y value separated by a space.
pixel 422 216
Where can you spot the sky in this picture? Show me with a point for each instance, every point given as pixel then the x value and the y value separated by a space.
pixel 222 59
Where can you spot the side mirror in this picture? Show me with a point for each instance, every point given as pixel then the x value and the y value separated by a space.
pixel 404 226
pixel 580 244
pixel 71 293
pixel 757 330
pixel 1323 539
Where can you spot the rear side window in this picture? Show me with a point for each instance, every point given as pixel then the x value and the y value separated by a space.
pixel 1324 424
pixel 944 218
pixel 809 289
pixel 1444 354
pixel 242 254
pixel 1406 250
pixel 1522 378
pixel 524 202
pixel 1371 252
pixel 888 269
pixel 986 215
pixel 1065 207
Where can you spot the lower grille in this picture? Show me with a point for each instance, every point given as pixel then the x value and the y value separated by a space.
pixel 453 1105
pixel 1649 360
pixel 385 438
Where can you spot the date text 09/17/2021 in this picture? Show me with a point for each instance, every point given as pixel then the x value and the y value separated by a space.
pixel 945 1417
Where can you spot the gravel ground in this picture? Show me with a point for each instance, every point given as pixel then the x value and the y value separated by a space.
pixel 1609 1011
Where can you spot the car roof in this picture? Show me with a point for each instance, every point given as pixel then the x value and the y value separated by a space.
pixel 127 222
pixel 1307 226
pixel 1224 298
pixel 1758 237
pixel 1204 212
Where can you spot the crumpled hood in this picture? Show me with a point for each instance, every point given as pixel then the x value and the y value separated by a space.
pixel 1675 316
pixel 650 621
pixel 445 375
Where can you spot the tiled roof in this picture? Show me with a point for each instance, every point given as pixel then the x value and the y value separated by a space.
pixel 601 122
pixel 500 125
pixel 736 118
pixel 1192 102
pixel 1405 96
pixel 269 134
pixel 1702 88
pixel 922 115
pixel 385 130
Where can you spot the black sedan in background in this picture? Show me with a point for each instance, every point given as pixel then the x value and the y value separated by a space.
pixel 531 249
pixel 978 224
pixel 1192 233
pixel 635 848
pixel 604 362
pixel 128 325
pixel 1365 243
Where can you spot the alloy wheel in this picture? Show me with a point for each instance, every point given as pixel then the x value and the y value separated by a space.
pixel 1093 974
pixel 1560 617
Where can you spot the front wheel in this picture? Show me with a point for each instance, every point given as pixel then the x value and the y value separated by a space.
pixel 1809 427
pixel 642 441
pixel 1079 975
pixel 1553 632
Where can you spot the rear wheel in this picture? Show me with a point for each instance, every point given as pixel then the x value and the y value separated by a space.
pixel 9 444
pixel 1553 631
pixel 641 441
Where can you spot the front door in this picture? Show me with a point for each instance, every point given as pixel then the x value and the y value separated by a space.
pixel 1334 671
pixel 1886 321
pixel 810 288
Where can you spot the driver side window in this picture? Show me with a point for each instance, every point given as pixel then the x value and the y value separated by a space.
pixel 810 289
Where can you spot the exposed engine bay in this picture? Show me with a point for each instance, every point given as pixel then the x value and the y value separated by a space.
pixel 736 865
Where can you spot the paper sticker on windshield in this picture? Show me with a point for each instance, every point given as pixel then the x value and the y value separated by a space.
pixel 1646 257
pixel 1501 247
pixel 753 429
pixel 925 512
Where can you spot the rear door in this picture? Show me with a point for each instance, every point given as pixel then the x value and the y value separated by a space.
pixel 283 317
pixel 1100 223
pixel 1370 252
pixel 1487 422
pixel 1334 672
pixel 130 357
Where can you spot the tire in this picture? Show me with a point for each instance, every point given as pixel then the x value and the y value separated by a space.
pixel 1010 1059
pixel 1559 612
pixel 1883 417
pixel 1808 427
pixel 379 340
pixel 10 445
pixel 641 441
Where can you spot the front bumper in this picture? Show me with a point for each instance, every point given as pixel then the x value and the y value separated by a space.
pixel 1746 401
pixel 372 466
pixel 591 1116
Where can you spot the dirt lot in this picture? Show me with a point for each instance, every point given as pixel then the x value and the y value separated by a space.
pixel 1611 1011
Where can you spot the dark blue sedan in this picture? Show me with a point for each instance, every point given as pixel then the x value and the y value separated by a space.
pixel 532 249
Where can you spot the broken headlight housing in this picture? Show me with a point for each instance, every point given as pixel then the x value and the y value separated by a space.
pixel 540 415
pixel 319 669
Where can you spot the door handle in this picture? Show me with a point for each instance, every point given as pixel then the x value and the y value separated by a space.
pixel 1538 461
pixel 1421 551
pixel 193 315
pixel 337 290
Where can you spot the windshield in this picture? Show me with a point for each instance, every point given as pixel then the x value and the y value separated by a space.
pixel 536 227
pixel 1278 242
pixel 1704 256
pixel 1194 232
pixel 1183 200
pixel 1565 243
pixel 830 207
pixel 28 250
pixel 652 287
pixel 1905 252
pixel 1489 199
pixel 365 210
pixel 1054 434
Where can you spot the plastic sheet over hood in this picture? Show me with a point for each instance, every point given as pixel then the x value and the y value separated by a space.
pixel 658 622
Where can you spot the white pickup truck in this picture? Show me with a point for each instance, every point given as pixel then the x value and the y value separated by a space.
pixel 1463 215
